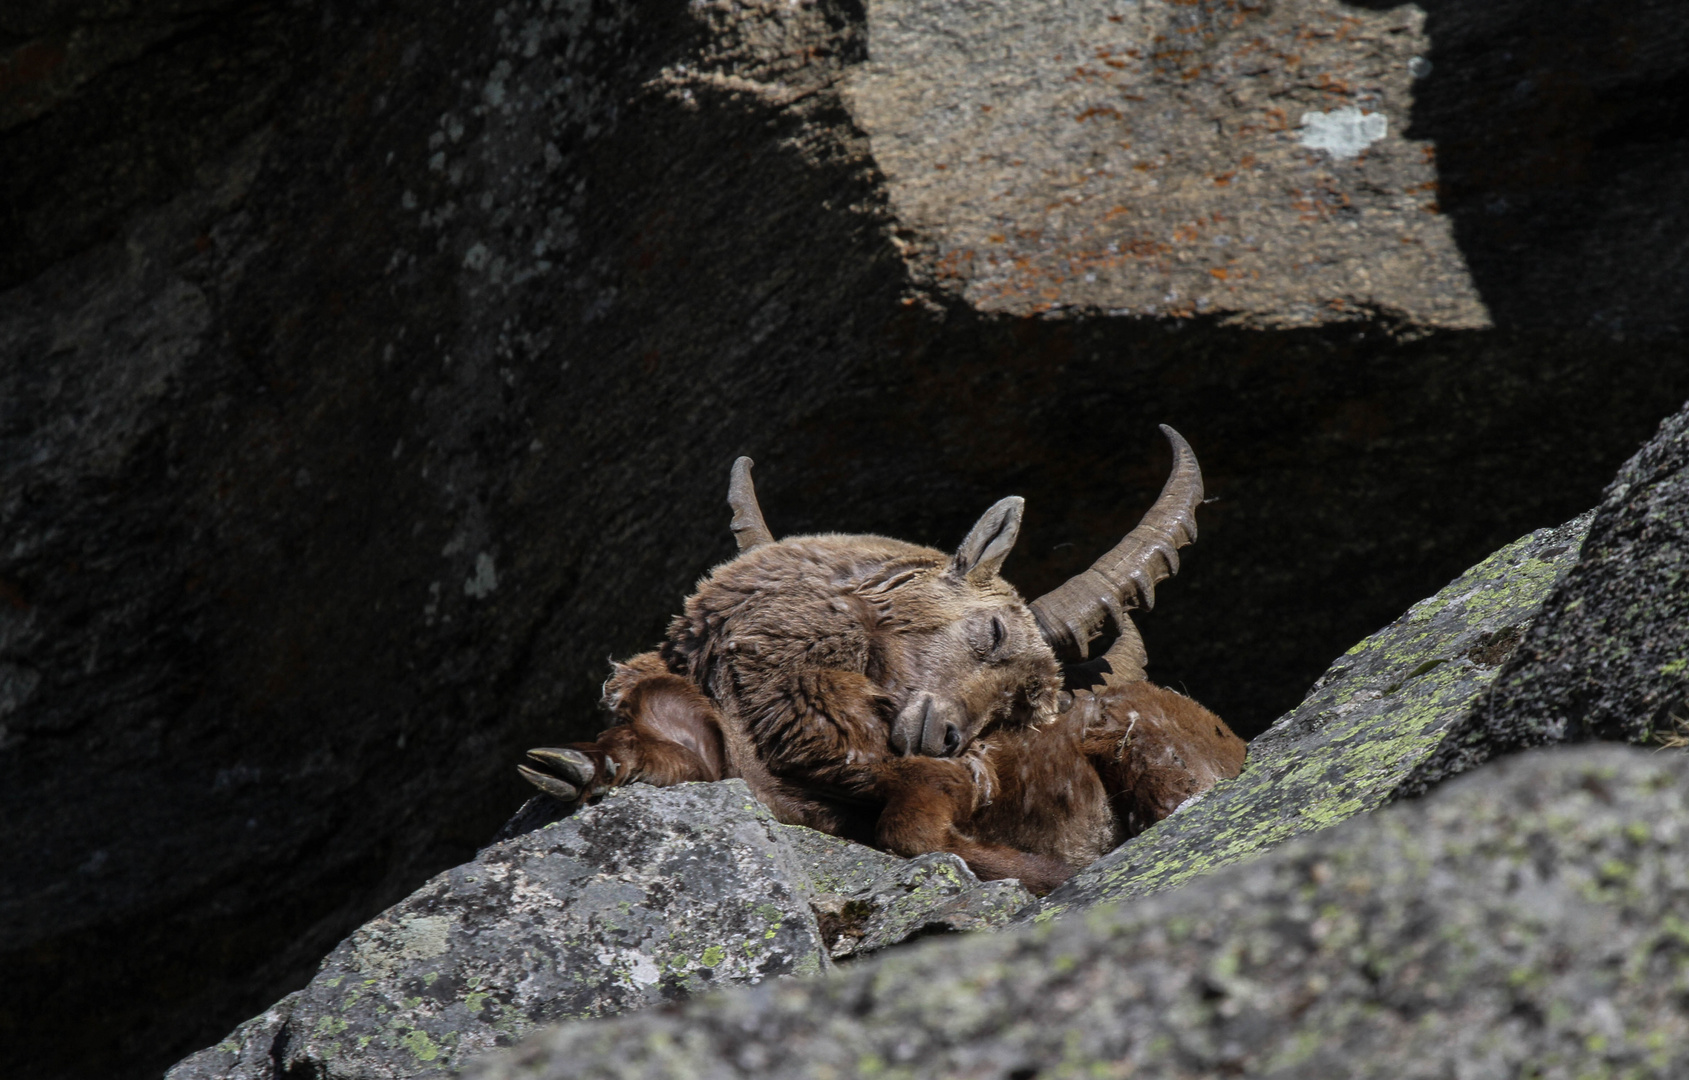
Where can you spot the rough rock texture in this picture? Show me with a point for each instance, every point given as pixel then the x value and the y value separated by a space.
pixel 1235 157
pixel 1367 725
pixel 929 894
pixel 1523 921
pixel 1609 659
pixel 369 370
pixel 649 896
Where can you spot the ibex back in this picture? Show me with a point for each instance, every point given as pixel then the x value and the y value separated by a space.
pixel 910 699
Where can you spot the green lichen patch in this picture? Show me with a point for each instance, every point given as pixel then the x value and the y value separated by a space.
pixel 1366 724
pixel 1606 660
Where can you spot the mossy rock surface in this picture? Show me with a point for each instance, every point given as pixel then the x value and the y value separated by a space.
pixel 645 898
pixel 1527 920
pixel 649 896
pixel 1609 659
pixel 1368 722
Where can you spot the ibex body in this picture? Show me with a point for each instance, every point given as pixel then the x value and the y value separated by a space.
pixel 909 698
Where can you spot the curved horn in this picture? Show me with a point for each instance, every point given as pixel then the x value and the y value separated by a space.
pixel 748 527
pixel 1074 615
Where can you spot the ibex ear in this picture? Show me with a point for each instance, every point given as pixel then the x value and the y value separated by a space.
pixel 990 539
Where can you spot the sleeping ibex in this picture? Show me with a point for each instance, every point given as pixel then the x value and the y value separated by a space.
pixel 909 699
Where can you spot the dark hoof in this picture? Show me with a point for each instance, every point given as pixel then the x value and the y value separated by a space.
pixel 568 772
pixel 557 789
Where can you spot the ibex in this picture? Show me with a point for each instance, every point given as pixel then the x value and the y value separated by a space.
pixel 908 698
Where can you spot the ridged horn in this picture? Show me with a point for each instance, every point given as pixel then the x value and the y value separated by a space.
pixel 1074 615
pixel 748 527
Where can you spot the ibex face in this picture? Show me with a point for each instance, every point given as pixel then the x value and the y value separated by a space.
pixel 951 647
pixel 960 651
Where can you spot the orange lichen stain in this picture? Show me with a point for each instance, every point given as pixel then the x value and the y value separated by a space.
pixel 1432 208
pixel 940 165
pixel 1430 152
pixel 1144 166
pixel 1224 178
pixel 1219 273
pixel 1247 161
pixel 998 238
pixel 1106 55
pixel 1184 234
pixel 1113 212
pixel 1099 110
pixel 1331 84
pixel 985 108
pixel 1277 119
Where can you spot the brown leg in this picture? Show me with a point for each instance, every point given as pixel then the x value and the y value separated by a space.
pixel 1154 749
pixel 672 735
pixel 925 798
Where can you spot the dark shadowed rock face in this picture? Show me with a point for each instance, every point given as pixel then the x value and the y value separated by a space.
pixel 1524 920
pixel 1609 659
pixel 369 371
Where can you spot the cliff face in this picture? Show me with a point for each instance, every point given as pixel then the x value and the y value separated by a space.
pixel 371 370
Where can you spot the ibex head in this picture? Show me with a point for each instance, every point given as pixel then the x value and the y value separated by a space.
pixel 951 646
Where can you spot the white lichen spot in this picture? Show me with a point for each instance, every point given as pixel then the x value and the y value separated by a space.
pixel 1344 133
pixel 477 257
pixel 382 947
pixel 485 579
pixel 644 971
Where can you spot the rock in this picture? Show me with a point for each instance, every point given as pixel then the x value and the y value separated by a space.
pixel 1609 658
pixel 1523 920
pixel 1164 158
pixel 927 895
pixel 371 371
pixel 1369 722
pixel 649 896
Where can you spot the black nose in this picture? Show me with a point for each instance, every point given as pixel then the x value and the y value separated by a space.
pixel 952 739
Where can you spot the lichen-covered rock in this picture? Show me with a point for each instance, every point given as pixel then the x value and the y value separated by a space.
pixel 1367 723
pixel 651 895
pixel 1524 921
pixel 1609 659
pixel 929 894
pixel 647 896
